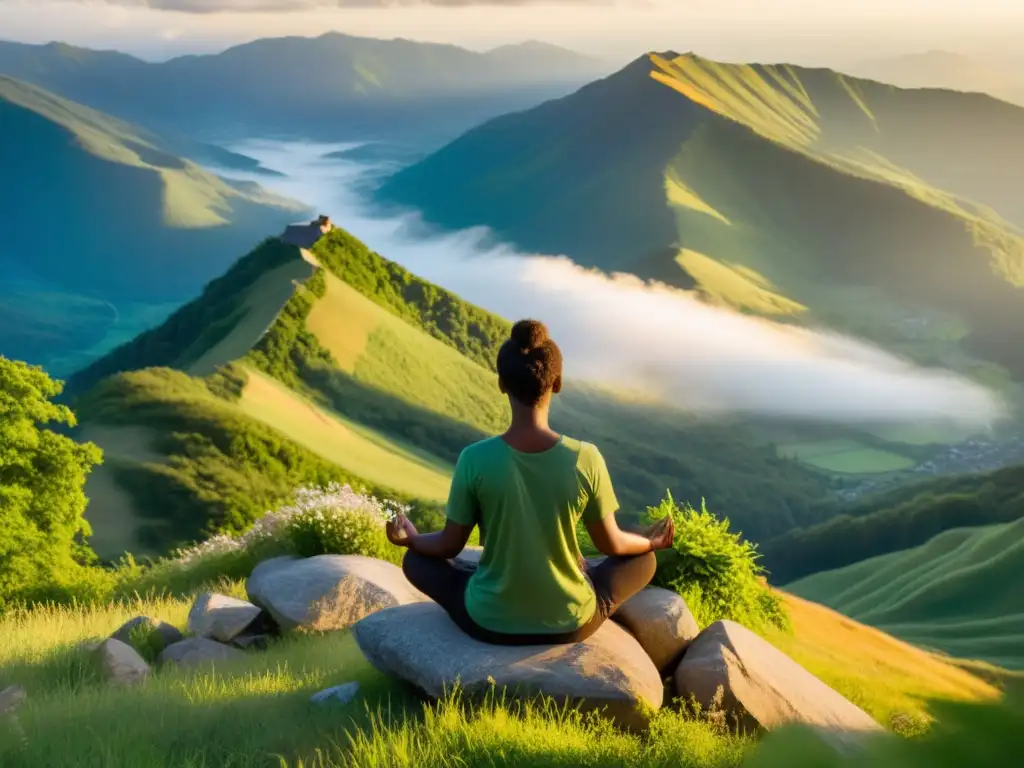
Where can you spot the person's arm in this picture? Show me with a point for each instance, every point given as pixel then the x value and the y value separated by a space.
pixel 613 541
pixel 599 516
pixel 462 513
pixel 446 543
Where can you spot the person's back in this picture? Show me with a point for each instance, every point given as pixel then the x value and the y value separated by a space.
pixel 529 580
pixel 527 490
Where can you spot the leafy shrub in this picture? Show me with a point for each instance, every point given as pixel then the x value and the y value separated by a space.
pixel 714 570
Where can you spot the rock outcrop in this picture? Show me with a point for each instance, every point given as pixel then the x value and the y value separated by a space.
pixel 196 651
pixel 219 617
pixel 328 592
pixel 661 623
pixel 762 688
pixel 120 663
pixel 421 645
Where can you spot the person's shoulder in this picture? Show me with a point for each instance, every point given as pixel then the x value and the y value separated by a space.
pixel 588 455
pixel 482 449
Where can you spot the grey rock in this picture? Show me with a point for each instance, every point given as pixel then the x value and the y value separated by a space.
pixel 11 697
pixel 328 592
pixel 167 634
pixel 661 623
pixel 120 663
pixel 196 651
pixel 220 617
pixel 421 645
pixel 762 688
pixel 339 694
pixel 247 640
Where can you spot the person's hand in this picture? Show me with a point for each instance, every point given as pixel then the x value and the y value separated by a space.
pixel 662 534
pixel 401 531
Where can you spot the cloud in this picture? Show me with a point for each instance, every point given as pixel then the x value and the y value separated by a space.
pixel 618 331
pixel 228 6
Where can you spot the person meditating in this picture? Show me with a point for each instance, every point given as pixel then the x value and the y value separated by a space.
pixel 527 489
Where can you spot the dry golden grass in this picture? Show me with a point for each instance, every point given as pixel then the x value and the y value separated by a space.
pixel 884 676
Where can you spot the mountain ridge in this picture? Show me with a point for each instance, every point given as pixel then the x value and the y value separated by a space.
pixel 674 169
pixel 329 87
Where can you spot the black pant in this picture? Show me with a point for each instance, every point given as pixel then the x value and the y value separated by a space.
pixel 615 580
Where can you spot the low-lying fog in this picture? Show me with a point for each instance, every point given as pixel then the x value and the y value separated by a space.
pixel 621 332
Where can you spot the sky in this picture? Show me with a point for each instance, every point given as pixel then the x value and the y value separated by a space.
pixel 802 31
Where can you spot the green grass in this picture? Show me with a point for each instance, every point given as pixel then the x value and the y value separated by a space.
pixel 958 593
pixel 255 712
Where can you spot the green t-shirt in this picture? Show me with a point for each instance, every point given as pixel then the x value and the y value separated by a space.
pixel 527 504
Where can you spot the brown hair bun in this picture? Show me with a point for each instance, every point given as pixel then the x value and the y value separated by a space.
pixel 529 334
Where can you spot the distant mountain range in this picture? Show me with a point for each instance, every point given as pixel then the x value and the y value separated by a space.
pixel 943 69
pixel 105 229
pixel 799 194
pixel 331 87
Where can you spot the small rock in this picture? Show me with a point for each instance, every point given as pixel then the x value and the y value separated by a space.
pixel 167 634
pixel 339 694
pixel 11 698
pixel 120 663
pixel 661 623
pixel 608 672
pixel 328 592
pixel 761 687
pixel 247 640
pixel 198 650
pixel 220 617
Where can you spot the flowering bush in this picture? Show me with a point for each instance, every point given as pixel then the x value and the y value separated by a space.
pixel 334 520
pixel 714 570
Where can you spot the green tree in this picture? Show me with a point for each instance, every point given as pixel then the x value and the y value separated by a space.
pixel 42 474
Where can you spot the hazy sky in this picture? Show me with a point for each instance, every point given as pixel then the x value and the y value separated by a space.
pixel 799 30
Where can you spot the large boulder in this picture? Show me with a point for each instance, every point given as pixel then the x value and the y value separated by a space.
pixel 328 592
pixel 162 633
pixel 661 623
pixel 762 688
pixel 220 617
pixel 421 645
pixel 198 651
pixel 120 663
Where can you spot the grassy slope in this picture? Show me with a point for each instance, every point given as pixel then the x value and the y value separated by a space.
pixel 387 378
pixel 959 593
pixel 897 219
pixel 247 713
pixel 103 219
pixel 900 519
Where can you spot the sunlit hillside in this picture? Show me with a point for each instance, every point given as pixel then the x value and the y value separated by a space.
pixel 803 195
pixel 107 230
pixel 302 367
pixel 959 593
